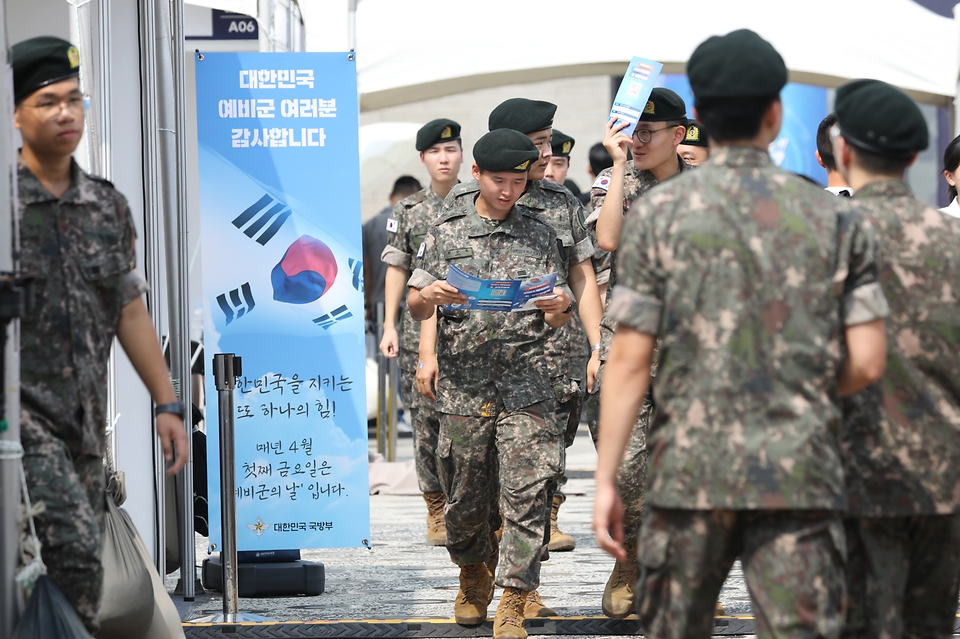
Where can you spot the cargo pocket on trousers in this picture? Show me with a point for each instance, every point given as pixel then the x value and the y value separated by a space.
pixel 653 585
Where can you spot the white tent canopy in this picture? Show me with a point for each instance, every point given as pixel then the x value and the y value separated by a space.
pixel 418 49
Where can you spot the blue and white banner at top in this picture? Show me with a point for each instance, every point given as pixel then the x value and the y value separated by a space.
pixel 283 289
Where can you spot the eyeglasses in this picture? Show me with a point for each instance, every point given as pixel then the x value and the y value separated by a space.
pixel 645 135
pixel 50 109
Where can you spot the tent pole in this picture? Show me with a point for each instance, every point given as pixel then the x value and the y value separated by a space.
pixel 170 94
pixel 352 25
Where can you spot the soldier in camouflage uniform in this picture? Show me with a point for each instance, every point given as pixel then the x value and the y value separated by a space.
pixel 493 391
pixel 558 206
pixel 659 132
pixel 441 152
pixel 901 437
pixel 753 279
pixel 77 240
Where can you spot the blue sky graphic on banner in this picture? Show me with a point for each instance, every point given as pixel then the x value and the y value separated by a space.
pixel 804 106
pixel 283 289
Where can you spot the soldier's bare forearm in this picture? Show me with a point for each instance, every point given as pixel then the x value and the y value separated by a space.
pixel 393 289
pixel 583 282
pixel 420 309
pixel 139 341
pixel 610 219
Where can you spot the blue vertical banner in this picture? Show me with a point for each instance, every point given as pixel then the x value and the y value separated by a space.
pixel 283 289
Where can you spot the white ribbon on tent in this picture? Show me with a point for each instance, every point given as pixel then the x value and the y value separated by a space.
pixel 471 46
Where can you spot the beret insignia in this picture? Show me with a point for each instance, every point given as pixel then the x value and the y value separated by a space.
pixel 693 134
pixel 649 108
pixel 74 56
pixel 567 146
pixel 522 167
pixel 446 133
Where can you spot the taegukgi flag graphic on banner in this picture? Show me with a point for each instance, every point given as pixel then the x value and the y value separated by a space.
pixel 283 289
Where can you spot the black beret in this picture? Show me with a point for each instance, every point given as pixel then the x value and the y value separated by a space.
pixel 523 115
pixel 435 131
pixel 38 62
pixel 696 135
pixel 562 144
pixel 881 119
pixel 664 105
pixel 505 150
pixel 740 64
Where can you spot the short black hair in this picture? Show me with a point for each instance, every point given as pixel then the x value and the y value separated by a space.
pixel 951 160
pixel 825 144
pixel 405 185
pixel 879 164
pixel 599 158
pixel 733 119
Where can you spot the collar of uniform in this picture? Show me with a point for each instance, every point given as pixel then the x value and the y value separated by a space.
pixel 740 156
pixel 648 176
pixel 532 197
pixel 888 187
pixel 476 227
pixel 31 189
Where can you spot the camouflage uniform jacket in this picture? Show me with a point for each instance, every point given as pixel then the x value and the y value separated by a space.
pixel 901 436
pixel 749 276
pixel 635 184
pixel 485 355
pixel 564 212
pixel 407 227
pixel 80 248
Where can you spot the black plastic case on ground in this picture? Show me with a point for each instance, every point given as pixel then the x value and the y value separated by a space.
pixel 268 579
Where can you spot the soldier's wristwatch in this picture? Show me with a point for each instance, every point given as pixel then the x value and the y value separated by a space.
pixel 569 308
pixel 174 408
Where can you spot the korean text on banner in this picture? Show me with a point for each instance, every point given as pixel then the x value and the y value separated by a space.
pixel 283 289
pixel 634 91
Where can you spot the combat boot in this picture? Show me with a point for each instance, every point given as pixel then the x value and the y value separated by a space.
pixel 508 623
pixel 476 585
pixel 536 608
pixel 436 529
pixel 618 594
pixel 559 542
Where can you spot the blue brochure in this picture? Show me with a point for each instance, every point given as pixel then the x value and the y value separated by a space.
pixel 500 295
pixel 634 91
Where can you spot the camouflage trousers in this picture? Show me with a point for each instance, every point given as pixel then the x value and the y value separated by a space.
pixel 505 461
pixel 632 475
pixel 569 404
pixel 792 561
pixel 72 488
pixel 426 424
pixel 903 576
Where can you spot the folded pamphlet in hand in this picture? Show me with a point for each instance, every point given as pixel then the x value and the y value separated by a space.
pixel 500 295
pixel 634 91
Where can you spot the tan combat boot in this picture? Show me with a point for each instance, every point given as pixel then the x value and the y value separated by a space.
pixel 508 623
pixel 436 529
pixel 476 584
pixel 720 610
pixel 536 608
pixel 559 542
pixel 618 594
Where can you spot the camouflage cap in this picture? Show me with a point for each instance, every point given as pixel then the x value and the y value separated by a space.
pixel 523 115
pixel 40 61
pixel 740 64
pixel 505 151
pixel 436 131
pixel 882 119
pixel 696 135
pixel 562 144
pixel 664 105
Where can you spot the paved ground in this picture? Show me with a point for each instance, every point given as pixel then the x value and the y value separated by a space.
pixel 402 578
